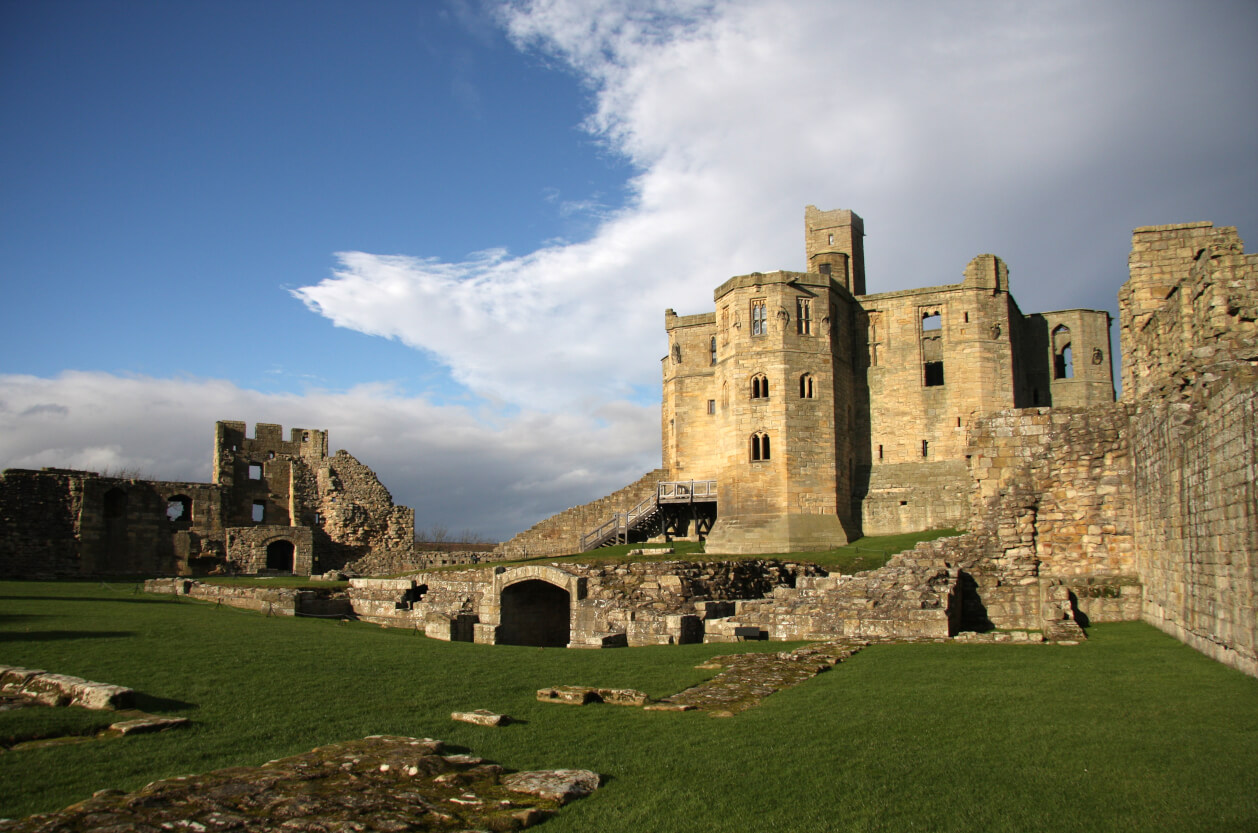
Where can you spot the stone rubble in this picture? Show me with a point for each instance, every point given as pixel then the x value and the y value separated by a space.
pixel 481 717
pixel 378 783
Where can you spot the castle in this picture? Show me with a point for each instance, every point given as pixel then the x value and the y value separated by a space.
pixel 824 413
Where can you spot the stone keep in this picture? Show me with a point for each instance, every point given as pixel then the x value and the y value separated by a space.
pixel 824 412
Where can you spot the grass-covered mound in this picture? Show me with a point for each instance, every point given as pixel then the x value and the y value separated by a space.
pixel 1131 731
pixel 868 553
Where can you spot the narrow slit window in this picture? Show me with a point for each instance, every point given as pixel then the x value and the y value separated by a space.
pixel 925 448
pixel 711 406
pixel 712 350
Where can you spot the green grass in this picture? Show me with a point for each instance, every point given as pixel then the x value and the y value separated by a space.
pixel 868 553
pixel 1131 731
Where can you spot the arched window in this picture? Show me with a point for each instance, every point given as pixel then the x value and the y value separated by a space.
pixel 759 447
pixel 1063 361
pixel 759 386
pixel 806 388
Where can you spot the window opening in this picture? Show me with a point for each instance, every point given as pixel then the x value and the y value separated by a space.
pixel 711 406
pixel 259 511
pixel 759 386
pixel 925 448
pixel 803 315
pixel 255 471
pixel 832 240
pixel 725 394
pixel 932 321
pixel 806 390
pixel 179 509
pixel 934 374
pixel 958 422
pixel 966 317
pixel 759 319
pixel 712 349
pixel 305 436
pixel 270 456
pixel 880 452
pixel 759 447
pixel 1063 365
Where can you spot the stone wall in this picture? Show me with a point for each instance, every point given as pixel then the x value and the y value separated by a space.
pixel 561 534
pixel 1189 317
pixel 58 522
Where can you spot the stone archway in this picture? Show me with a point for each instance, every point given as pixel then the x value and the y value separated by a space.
pixel 280 555
pixel 535 612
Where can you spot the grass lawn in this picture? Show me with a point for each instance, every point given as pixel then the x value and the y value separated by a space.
pixel 1131 731
pixel 868 553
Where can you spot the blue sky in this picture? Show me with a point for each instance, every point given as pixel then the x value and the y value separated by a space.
pixel 447 231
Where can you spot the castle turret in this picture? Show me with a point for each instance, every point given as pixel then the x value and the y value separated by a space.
pixel 834 243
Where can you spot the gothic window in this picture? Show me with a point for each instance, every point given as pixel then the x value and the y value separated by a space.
pixel 931 321
pixel 806 388
pixel 803 315
pixel 1063 364
pixel 759 386
pixel 759 318
pixel 759 447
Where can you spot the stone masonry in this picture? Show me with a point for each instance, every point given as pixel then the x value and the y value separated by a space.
pixel 275 505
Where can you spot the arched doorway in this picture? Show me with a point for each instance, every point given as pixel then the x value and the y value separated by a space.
pixel 279 556
pixel 534 612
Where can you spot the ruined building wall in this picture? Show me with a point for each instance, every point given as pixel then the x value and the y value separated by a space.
pixel 1052 508
pixel 59 522
pixel 561 533
pixel 1191 351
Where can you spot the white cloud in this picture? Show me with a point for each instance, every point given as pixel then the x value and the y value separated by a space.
pixel 1042 132
pixel 455 467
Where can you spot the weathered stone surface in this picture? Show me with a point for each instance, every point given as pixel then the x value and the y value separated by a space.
pixel 144 725
pixel 63 690
pixel 378 783
pixel 561 785
pixel 481 717
pixel 746 679
pixel 576 695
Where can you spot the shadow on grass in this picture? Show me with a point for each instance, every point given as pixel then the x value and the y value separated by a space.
pixel 149 703
pixel 137 599
pixel 55 636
